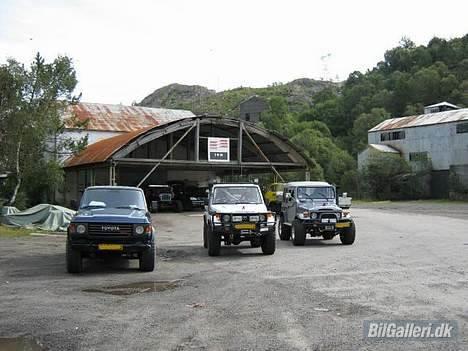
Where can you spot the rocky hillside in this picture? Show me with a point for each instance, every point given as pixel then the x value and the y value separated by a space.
pixel 299 94
pixel 173 95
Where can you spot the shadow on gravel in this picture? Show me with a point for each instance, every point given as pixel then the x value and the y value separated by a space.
pixel 179 253
pixel 19 344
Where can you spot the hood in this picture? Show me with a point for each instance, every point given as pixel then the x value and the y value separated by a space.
pixel 319 205
pixel 111 215
pixel 239 208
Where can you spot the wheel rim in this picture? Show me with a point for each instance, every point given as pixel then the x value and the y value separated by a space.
pixel 293 233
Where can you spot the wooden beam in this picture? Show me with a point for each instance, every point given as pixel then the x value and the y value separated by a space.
pixel 239 144
pixel 167 154
pixel 263 155
pixel 197 142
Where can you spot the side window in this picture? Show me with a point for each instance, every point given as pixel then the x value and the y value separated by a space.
pixel 293 193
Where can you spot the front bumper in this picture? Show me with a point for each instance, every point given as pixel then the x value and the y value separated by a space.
pixel 237 232
pixel 128 245
pixel 318 225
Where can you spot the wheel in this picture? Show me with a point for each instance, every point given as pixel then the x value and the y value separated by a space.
pixel 74 260
pixel 284 230
pixel 298 233
pixel 179 206
pixel 205 239
pixel 328 236
pixel 147 260
pixel 255 243
pixel 348 235
pixel 269 243
pixel 214 243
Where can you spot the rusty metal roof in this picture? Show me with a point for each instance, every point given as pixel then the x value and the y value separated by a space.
pixel 422 120
pixel 103 149
pixel 120 118
pixel 384 148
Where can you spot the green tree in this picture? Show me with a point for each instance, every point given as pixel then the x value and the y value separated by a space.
pixel 363 123
pixel 31 102
pixel 382 176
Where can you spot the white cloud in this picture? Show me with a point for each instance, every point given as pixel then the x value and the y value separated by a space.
pixel 123 50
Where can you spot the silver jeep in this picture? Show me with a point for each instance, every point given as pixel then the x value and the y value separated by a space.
pixel 311 208
pixel 236 213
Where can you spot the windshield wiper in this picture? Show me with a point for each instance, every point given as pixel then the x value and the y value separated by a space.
pixel 131 207
pixel 91 206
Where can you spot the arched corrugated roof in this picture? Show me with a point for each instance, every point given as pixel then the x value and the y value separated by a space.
pixel 102 151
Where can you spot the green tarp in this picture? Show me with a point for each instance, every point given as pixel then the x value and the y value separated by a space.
pixel 43 216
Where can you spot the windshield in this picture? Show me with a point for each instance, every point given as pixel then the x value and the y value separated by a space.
pixel 315 193
pixel 113 198
pixel 237 195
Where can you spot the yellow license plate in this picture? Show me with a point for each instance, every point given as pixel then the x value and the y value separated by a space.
pixel 110 247
pixel 343 225
pixel 245 226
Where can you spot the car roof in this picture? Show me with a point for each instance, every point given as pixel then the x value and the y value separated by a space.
pixel 235 184
pixel 311 183
pixel 114 187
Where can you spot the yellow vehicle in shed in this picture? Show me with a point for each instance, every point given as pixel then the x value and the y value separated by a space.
pixel 274 196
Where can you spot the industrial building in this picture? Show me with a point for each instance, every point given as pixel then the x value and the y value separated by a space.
pixel 440 138
pixel 146 148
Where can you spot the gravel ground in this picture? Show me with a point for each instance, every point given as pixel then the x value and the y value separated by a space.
pixel 403 265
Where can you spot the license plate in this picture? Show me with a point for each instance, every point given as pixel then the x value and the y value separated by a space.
pixel 329 227
pixel 110 247
pixel 343 225
pixel 245 226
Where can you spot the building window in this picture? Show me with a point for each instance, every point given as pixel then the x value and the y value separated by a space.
pixel 247 117
pixel 462 128
pixel 418 156
pixel 392 135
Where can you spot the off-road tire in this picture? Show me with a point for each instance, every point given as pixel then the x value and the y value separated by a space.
pixel 214 243
pixel 74 260
pixel 284 230
pixel 269 243
pixel 348 235
pixel 179 206
pixel 147 260
pixel 298 233
pixel 205 235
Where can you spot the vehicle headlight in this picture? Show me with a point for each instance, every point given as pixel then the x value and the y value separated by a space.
pixel 139 229
pixel 254 218
pixel 313 215
pixel 237 218
pixel 262 218
pixel 226 218
pixel 81 229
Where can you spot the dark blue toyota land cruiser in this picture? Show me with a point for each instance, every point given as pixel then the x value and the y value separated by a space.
pixel 111 220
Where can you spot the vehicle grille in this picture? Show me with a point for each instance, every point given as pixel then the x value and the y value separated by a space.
pixel 165 197
pixel 328 215
pixel 110 229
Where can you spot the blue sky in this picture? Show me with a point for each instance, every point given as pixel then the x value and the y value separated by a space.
pixel 123 50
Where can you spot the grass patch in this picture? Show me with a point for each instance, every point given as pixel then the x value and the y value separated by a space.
pixel 11 232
